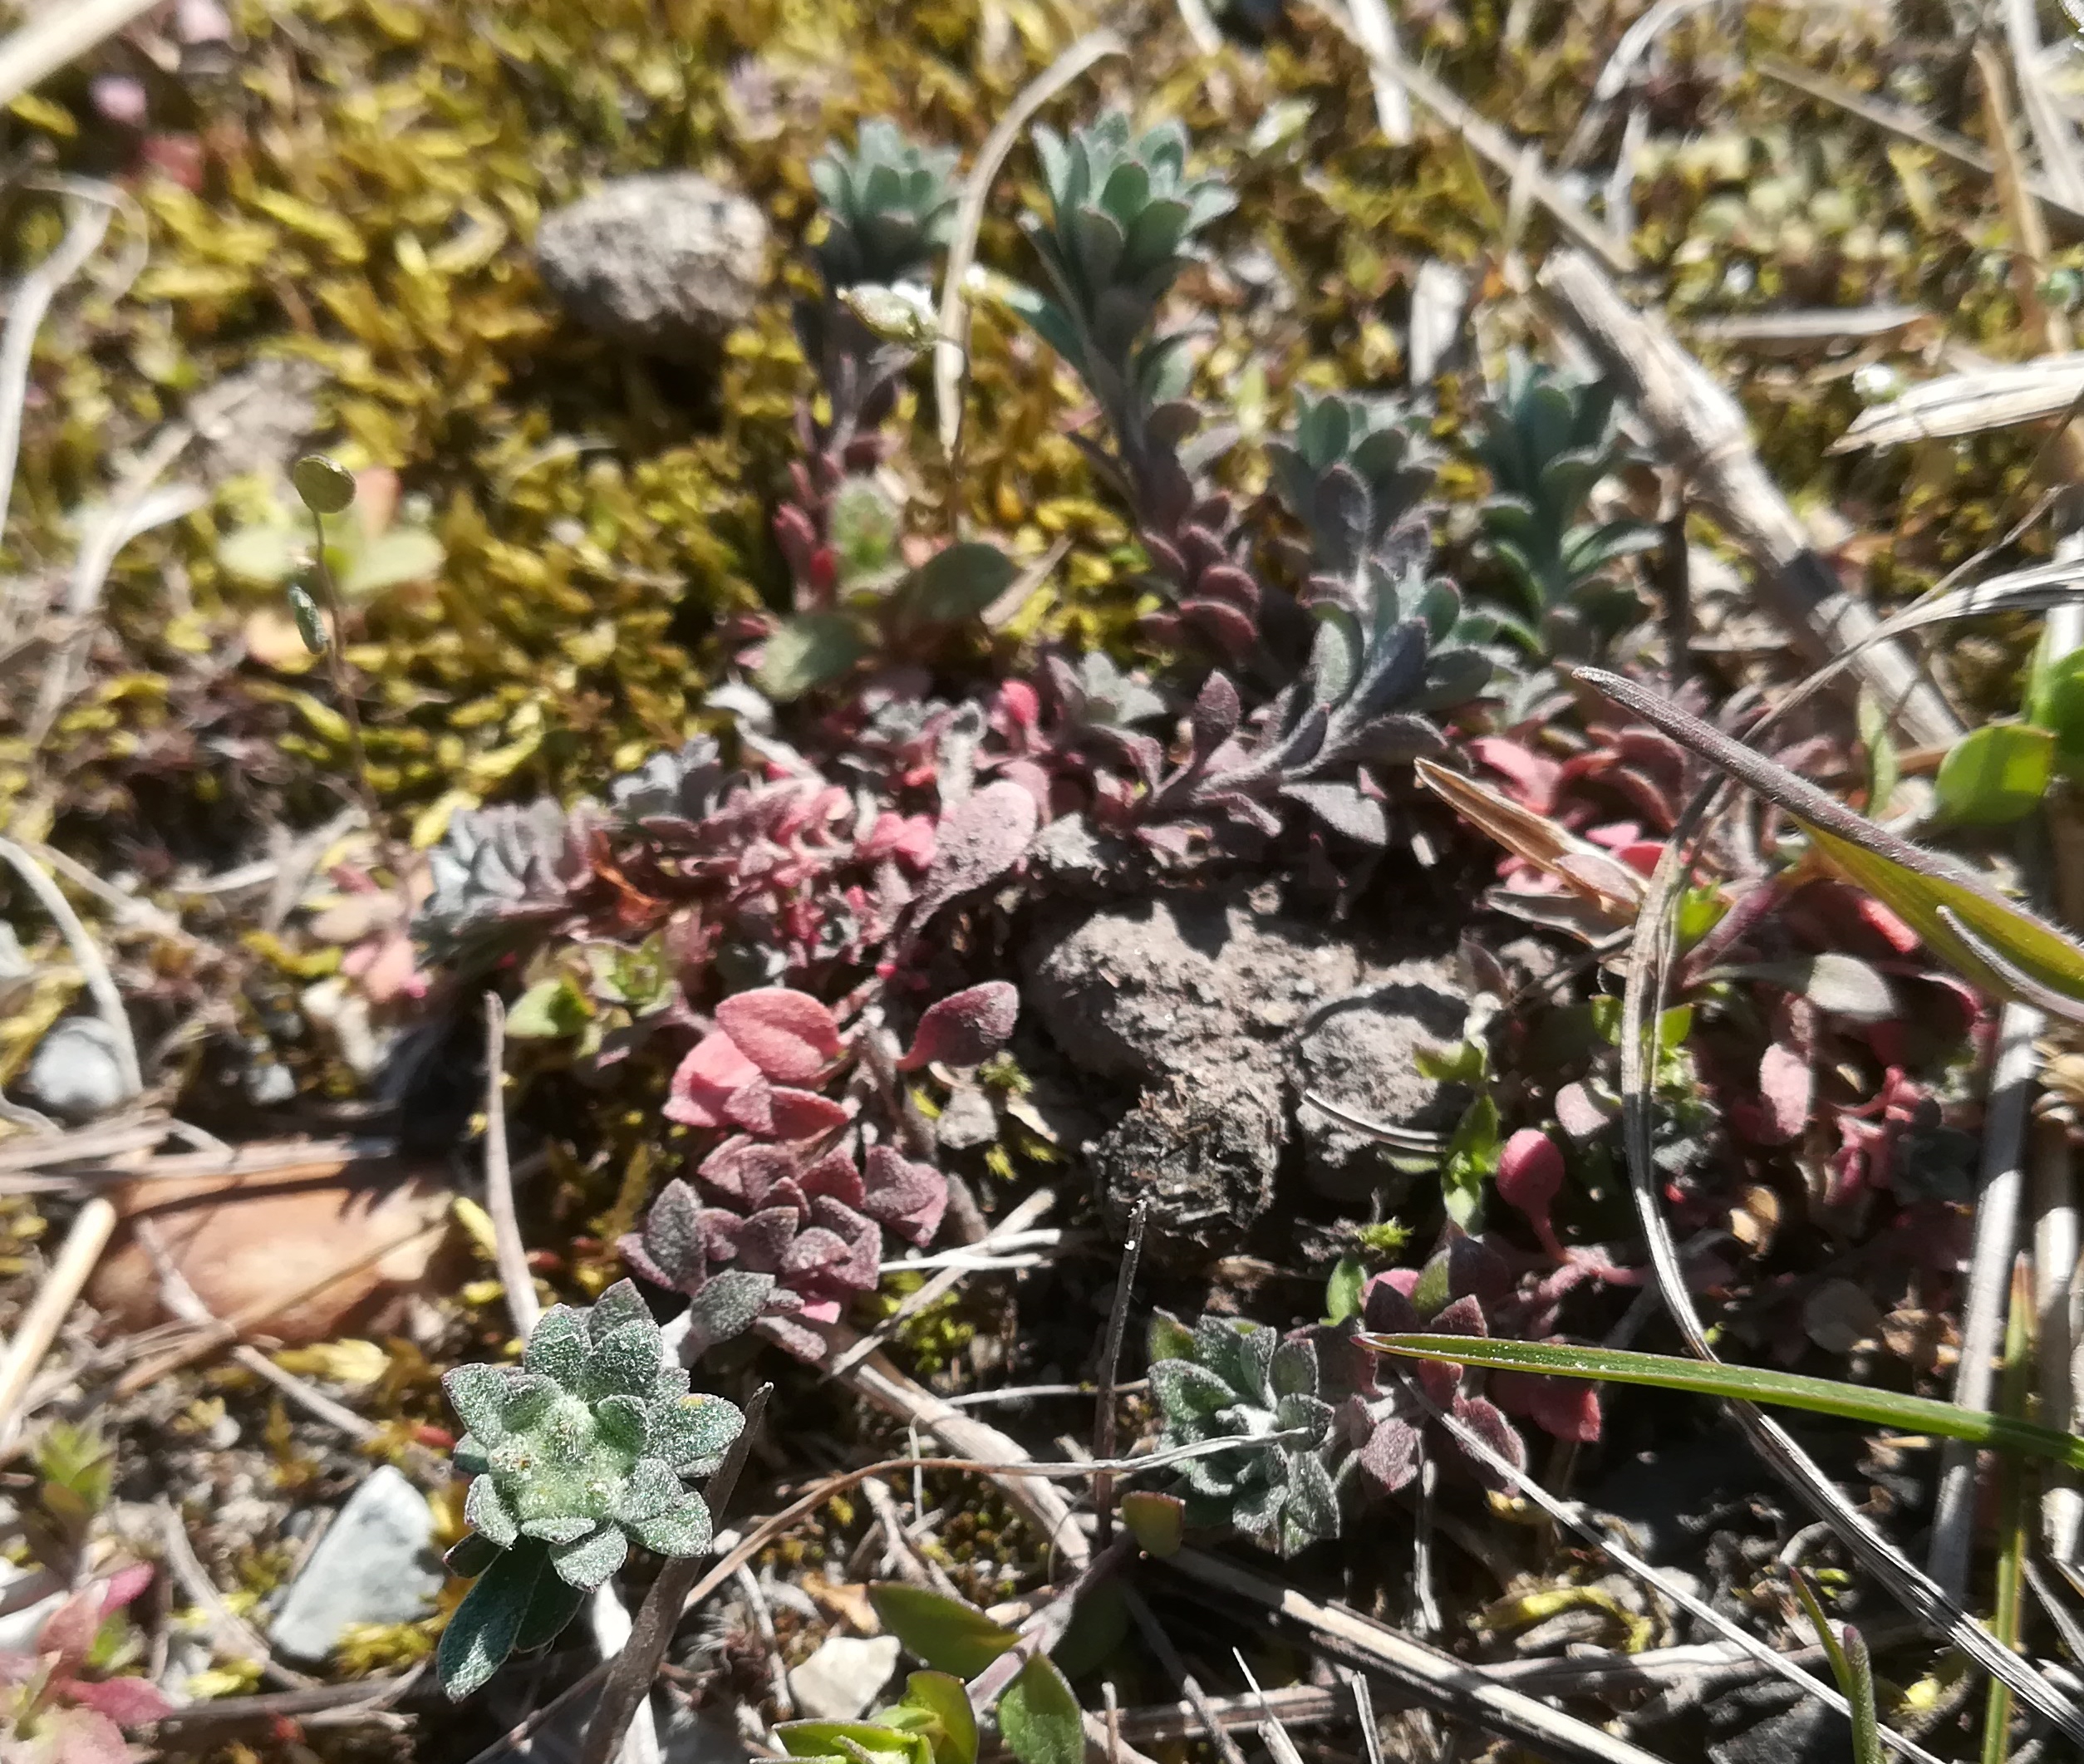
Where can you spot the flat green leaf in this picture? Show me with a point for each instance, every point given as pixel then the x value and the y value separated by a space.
pixel 825 1739
pixel 949 1635
pixel 957 583
pixel 549 1010
pixel 1997 773
pixel 1039 1717
pixel 2002 949
pixel 1472 1160
pixel 402 555
pixel 1157 1521
pixel 1342 1291
pixel 265 554
pixel 809 651
pixel 1843 986
pixel 2057 705
pixel 1884 1408
pixel 1850 1667
pixel 936 1705
pixel 1883 767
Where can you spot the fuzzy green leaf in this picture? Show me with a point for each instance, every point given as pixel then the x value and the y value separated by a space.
pixel 588 1562
pixel 482 1632
pixel 1039 1717
pixel 557 1346
pixel 679 1530
pixel 809 651
pixel 484 1511
pixel 1996 774
pixel 1157 1521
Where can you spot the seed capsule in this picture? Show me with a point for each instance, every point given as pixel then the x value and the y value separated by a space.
pixel 311 624
pixel 325 486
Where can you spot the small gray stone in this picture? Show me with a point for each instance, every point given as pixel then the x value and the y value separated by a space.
pixel 74 1072
pixel 843 1679
pixel 967 1122
pixel 1361 1054
pixel 667 263
pixel 691 1738
pixel 373 1565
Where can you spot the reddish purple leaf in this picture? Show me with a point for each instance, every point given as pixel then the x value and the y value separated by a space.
pixel 1391 1454
pixel 1485 1420
pixel 1565 1408
pixel 908 1197
pixel 787 1035
pixel 779 1113
pixel 1385 1305
pixel 69 1631
pixel 834 1175
pixel 123 1585
pixel 1530 1177
pixel 978 842
pixel 706 1080
pixel 965 1028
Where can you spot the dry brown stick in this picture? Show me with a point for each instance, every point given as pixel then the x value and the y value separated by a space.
pixel 1424 1675
pixel 226 1626
pixel 1110 1369
pixel 1702 429
pixel 630 1673
pixel 1168 1657
pixel 1894 119
pixel 92 1228
pixel 508 1249
pixel 873 1378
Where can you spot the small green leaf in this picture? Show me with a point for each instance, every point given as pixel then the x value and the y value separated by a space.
pixel 266 554
pixel 1039 1717
pixel 949 1635
pixel 936 1705
pixel 325 486
pixel 809 651
pixel 391 560
pixel 1470 1162
pixel 311 623
pixel 1157 1521
pixel 957 583
pixel 825 1739
pixel 2058 706
pixel 1995 774
pixel 1342 1291
pixel 1883 767
pixel 1885 1409
pixel 548 1011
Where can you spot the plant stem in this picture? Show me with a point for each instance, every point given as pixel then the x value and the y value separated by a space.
pixel 343 691
pixel 1110 1368
pixel 631 1673
pixel 2012 1528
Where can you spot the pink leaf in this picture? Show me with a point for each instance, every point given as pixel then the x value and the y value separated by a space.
pixel 788 1035
pixel 835 1175
pixel 1564 1409
pixel 965 1028
pixel 1487 1422
pixel 123 1585
pixel 78 1735
pixel 978 842
pixel 69 1631
pixel 1788 1087
pixel 1530 1173
pixel 706 1080
pixel 129 1703
pixel 803 1114
pixel 1536 778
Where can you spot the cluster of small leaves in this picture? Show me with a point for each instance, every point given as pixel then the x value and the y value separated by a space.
pixel 1228 1379
pixel 501 874
pixel 58 1702
pixel 1125 217
pixel 1548 441
pixel 931 1723
pixel 579 1451
pixel 888 208
pixel 783 1220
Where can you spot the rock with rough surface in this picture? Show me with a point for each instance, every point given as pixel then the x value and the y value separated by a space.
pixel 1224 1011
pixel 373 1565
pixel 842 1680
pixel 74 1072
pixel 666 262
pixel 1361 1054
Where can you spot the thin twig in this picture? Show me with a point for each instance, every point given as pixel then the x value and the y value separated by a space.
pixel 83 1243
pixel 509 1251
pixel 2002 1183
pixel 630 1675
pixel 951 356
pixel 57 36
pixel 763 1621
pixel 2055 1262
pixel 1110 1365
pixel 87 958
pixel 1168 1657
pixel 231 1631
pixel 30 300
pixel 1376 32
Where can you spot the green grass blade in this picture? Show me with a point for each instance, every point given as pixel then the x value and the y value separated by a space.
pixel 1746 1384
